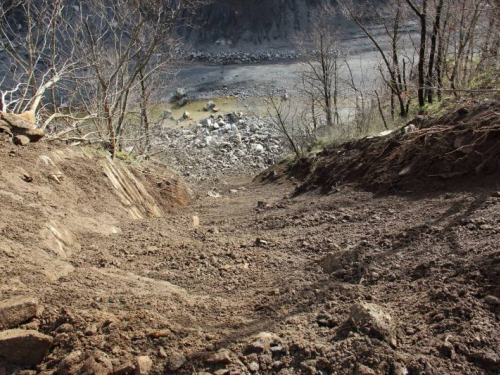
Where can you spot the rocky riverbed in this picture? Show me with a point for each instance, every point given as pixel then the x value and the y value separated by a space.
pixel 220 144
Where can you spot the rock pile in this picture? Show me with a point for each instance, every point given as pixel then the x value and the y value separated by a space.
pixel 27 346
pixel 231 143
pixel 241 57
pixel 21 127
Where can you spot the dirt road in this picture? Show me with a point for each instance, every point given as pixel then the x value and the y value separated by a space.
pixel 428 262
pixel 411 284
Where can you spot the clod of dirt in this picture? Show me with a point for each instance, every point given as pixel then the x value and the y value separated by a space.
pixel 24 347
pixel 371 319
pixel 364 370
pixel 335 261
pixel 125 368
pixel 222 357
pixel 15 311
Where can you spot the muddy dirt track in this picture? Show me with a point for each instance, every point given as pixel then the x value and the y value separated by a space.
pixel 245 292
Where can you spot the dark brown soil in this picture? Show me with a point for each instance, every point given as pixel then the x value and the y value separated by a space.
pixel 442 151
pixel 178 293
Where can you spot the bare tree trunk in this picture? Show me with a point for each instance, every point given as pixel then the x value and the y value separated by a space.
pixel 434 37
pixel 144 112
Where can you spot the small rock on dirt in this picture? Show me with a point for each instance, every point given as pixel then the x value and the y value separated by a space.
pixel 374 321
pixel 71 360
pixel 21 140
pixel 126 368
pixel 259 242
pixel 492 300
pixel 15 311
pixel 333 261
pixel 144 364
pixel 254 367
pixel 222 357
pixel 196 221
pixel 24 347
pixel 364 370
pixel 176 361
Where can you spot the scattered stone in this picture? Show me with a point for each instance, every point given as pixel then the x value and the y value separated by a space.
pixel 91 330
pixel 17 310
pixel 222 143
pixel 143 365
pixel 162 353
pixel 176 361
pixel 24 347
pixel 259 242
pixel 182 102
pixel 71 360
pixel 21 140
pixel 124 369
pixel 256 346
pixel 180 93
pixel 261 204
pixel 447 350
pixel 90 366
pixel 334 261
pixel 399 369
pixel 254 366
pixel 213 194
pixel 186 115
pixel 210 105
pixel 371 319
pixel 492 300
pixel 64 328
pixel 364 370
pixel 222 357
pixel 258 148
pixel 410 129
pixel 496 194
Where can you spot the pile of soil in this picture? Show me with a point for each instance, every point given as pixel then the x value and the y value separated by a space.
pixel 430 152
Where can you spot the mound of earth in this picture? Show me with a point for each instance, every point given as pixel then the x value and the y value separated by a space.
pixel 430 152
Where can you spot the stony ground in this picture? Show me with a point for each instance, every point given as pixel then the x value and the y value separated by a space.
pixel 411 285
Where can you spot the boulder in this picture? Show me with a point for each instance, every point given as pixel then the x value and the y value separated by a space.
pixel 15 311
pixel 21 125
pixel 372 320
pixel 186 115
pixel 24 347
pixel 16 121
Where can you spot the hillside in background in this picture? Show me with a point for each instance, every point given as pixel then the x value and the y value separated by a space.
pixel 230 23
